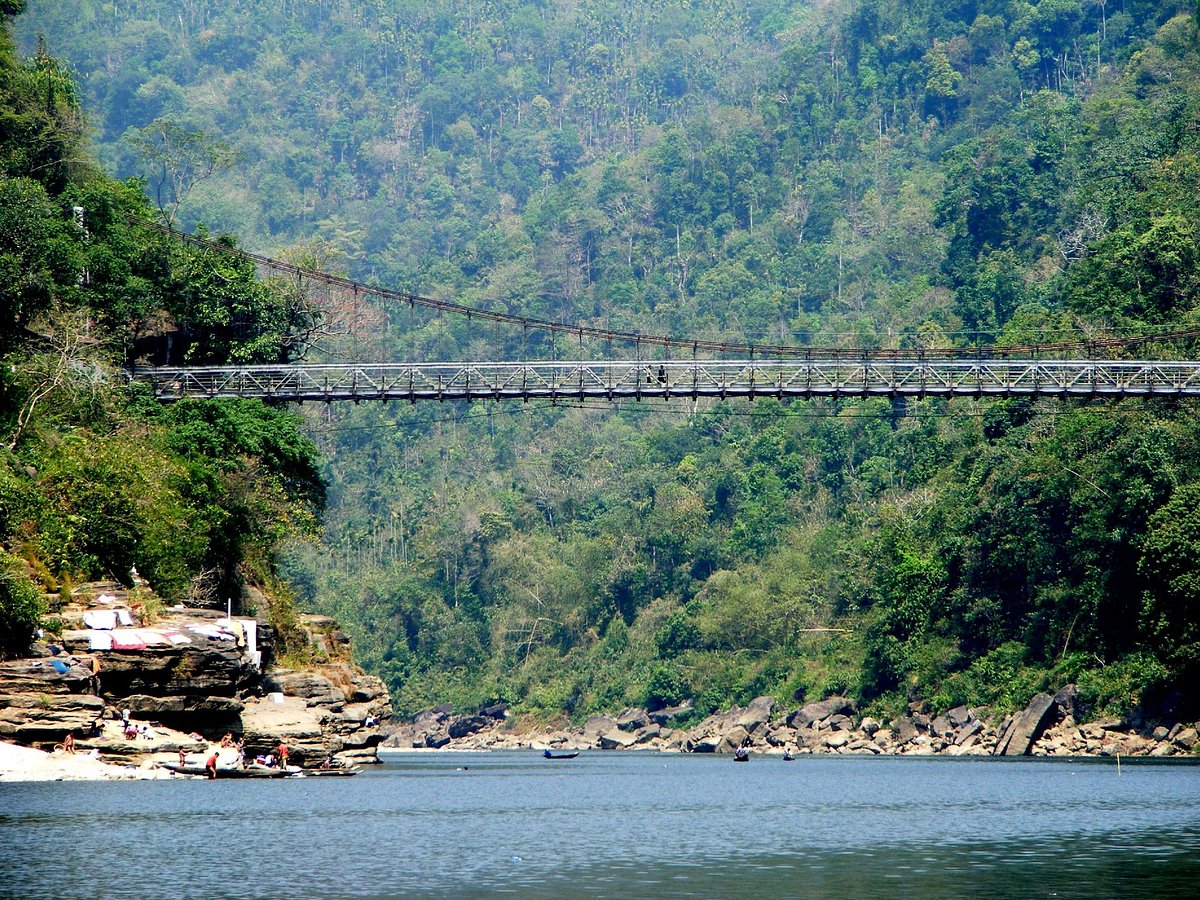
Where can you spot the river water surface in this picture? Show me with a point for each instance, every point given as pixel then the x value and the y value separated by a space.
pixel 618 824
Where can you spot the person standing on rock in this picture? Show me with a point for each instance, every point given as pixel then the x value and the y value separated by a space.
pixel 211 765
pixel 282 752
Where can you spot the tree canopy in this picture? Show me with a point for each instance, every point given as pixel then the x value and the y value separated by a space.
pixel 868 173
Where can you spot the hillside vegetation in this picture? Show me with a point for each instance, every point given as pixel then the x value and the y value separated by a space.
pixel 96 479
pixel 859 172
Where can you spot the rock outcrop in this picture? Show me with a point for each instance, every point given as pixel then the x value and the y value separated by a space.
pixel 1024 729
pixel 1045 728
pixel 188 672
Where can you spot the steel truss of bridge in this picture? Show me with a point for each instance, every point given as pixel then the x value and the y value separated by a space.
pixel 648 379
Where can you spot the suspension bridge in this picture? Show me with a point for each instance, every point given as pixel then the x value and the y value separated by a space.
pixel 716 368
pixel 624 380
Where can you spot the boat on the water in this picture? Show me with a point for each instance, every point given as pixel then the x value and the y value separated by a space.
pixel 741 754
pixel 550 754
pixel 331 773
pixel 251 771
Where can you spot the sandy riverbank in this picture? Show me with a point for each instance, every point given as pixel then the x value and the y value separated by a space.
pixel 19 763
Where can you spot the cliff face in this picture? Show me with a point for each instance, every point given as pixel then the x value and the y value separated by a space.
pixel 182 673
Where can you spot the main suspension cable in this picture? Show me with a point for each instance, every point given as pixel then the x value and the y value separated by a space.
pixel 692 344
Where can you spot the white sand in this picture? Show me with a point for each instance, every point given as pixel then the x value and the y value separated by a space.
pixel 19 763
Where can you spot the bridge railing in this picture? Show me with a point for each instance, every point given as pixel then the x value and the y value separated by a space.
pixel 625 379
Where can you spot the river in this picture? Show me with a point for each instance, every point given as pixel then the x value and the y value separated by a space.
pixel 618 824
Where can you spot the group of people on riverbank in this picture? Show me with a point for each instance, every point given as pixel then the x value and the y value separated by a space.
pixel 270 760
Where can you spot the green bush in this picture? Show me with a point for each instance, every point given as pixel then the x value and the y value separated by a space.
pixel 21 606
pixel 1002 680
pixel 1122 685
pixel 666 688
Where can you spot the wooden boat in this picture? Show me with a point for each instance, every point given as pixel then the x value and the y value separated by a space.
pixel 252 771
pixel 549 754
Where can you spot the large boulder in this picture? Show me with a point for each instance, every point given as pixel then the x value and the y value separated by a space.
pixel 671 713
pixel 36 717
pixel 1028 726
pixel 781 736
pixel 497 710
pixel 967 731
pixel 265 723
pixel 706 743
pixel 1186 739
pixel 215 668
pixel 39 676
pixel 732 739
pixel 316 689
pixel 598 725
pixel 649 733
pixel 757 714
pixel 633 719
pixel 461 727
pixel 617 740
pixel 1066 699
pixel 821 710
pixel 906 730
pixel 959 716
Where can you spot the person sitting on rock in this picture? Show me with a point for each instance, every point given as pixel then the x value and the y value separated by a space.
pixel 227 741
pixel 327 762
pixel 131 731
pixel 69 742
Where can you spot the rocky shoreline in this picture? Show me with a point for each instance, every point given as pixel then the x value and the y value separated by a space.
pixel 1046 727
pixel 184 677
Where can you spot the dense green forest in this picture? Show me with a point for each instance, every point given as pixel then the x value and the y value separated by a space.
pixel 858 172
pixel 96 478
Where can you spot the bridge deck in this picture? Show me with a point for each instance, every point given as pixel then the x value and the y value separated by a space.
pixel 612 380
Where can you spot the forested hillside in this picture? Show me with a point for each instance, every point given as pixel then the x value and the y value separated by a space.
pixel 97 479
pixel 858 172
